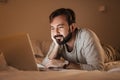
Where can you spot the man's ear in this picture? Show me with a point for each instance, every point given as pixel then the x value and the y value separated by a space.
pixel 72 27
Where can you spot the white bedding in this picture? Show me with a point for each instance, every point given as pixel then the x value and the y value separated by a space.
pixel 112 72
pixel 9 73
pixel 59 75
pixel 112 65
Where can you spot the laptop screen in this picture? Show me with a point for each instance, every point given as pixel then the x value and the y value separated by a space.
pixel 18 52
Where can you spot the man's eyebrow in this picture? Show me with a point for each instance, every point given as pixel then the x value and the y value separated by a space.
pixel 60 24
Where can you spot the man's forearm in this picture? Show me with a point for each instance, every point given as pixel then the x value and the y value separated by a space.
pixel 53 52
pixel 73 66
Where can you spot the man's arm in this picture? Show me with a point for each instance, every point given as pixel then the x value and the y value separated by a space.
pixel 93 52
pixel 90 54
pixel 51 53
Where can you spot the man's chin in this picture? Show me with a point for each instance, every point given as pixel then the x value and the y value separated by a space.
pixel 60 42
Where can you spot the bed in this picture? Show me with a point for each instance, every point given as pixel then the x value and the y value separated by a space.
pixel 112 69
pixel 12 74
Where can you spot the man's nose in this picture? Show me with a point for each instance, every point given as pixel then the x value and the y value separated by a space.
pixel 56 31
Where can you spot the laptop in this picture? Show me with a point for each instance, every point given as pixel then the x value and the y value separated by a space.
pixel 18 52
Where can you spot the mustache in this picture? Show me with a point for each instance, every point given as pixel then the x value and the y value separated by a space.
pixel 58 36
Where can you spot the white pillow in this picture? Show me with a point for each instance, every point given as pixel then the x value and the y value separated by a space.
pixel 114 70
pixel 44 45
pixel 112 65
pixel 36 48
pixel 3 64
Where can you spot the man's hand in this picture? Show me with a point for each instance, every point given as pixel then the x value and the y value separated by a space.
pixel 73 66
pixel 55 63
pixel 54 40
pixel 54 50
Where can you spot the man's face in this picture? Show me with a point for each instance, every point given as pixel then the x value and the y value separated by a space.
pixel 60 30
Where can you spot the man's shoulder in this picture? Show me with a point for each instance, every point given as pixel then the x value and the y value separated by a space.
pixel 84 31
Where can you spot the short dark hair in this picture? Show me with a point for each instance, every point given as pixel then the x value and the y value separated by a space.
pixel 68 13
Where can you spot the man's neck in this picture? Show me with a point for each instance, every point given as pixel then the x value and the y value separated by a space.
pixel 70 44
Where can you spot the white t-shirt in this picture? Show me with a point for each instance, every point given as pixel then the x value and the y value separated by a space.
pixel 87 52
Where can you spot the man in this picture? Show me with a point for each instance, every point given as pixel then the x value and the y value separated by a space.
pixel 72 47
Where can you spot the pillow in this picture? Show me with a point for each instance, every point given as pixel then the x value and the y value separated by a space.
pixel 114 70
pixel 44 45
pixel 36 48
pixel 40 49
pixel 3 64
pixel 112 65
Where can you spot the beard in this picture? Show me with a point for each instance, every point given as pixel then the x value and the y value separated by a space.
pixel 65 39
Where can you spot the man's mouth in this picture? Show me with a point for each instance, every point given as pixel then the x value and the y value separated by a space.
pixel 58 37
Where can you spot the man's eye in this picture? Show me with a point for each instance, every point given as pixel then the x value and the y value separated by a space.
pixel 52 28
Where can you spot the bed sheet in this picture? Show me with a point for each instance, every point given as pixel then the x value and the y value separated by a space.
pixel 59 75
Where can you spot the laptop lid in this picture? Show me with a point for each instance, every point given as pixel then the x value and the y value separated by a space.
pixel 18 52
